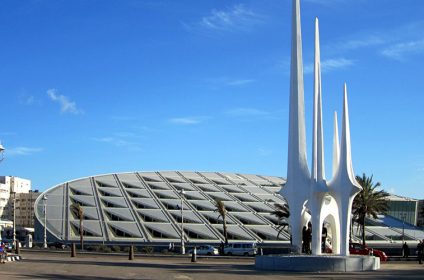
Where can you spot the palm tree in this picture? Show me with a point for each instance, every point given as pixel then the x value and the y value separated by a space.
pixel 220 208
pixel 369 202
pixel 78 211
pixel 282 212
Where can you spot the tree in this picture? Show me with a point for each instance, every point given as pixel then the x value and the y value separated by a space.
pixel 220 208
pixel 369 202
pixel 78 211
pixel 282 213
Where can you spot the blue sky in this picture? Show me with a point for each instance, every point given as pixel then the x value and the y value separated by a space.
pixel 93 87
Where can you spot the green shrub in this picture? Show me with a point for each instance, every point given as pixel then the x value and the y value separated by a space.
pixel 116 248
pixel 127 249
pixel 93 248
pixel 104 248
pixel 147 250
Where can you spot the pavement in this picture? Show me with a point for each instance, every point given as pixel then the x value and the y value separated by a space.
pixel 45 265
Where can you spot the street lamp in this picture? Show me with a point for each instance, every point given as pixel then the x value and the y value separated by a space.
pixel 1 159
pixel 403 217
pixel 182 223
pixel 45 221
pixel 14 218
pixel 1 152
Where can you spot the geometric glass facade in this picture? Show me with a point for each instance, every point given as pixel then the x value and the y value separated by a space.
pixel 145 207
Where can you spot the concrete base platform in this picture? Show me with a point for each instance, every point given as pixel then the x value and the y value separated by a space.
pixel 324 263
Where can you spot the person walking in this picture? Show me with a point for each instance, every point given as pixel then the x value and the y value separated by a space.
pixel 304 240
pixel 2 253
pixel 405 250
pixel 309 238
pixel 420 251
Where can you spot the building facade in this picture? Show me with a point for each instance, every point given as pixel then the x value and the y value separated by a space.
pixel 24 207
pixel 10 188
pixel 152 207
pixel 16 201
pixel 403 208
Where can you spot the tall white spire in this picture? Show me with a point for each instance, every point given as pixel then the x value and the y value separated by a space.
pixel 318 184
pixel 344 186
pixel 297 139
pixel 296 190
pixel 336 145
pixel 318 173
pixel 345 160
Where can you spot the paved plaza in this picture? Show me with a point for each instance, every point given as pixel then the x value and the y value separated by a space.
pixel 40 265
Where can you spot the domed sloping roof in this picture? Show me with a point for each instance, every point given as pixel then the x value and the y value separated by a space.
pixel 146 207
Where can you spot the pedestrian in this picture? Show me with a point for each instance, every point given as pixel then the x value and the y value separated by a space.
pixel 309 238
pixel 405 250
pixel 2 253
pixel 323 239
pixel 304 239
pixel 420 252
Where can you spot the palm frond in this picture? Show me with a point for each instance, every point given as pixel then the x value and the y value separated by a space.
pixel 370 201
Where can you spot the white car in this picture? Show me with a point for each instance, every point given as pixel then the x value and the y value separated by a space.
pixel 241 249
pixel 205 250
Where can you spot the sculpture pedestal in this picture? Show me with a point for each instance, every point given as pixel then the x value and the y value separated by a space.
pixel 323 263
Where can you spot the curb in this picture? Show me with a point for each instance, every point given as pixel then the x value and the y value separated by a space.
pixel 13 258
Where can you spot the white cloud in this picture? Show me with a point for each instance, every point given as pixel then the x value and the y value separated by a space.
pixel 187 120
pixel 22 151
pixel 401 50
pixel 66 105
pixel 220 82
pixel 29 100
pixel 391 190
pixel 362 43
pixel 344 45
pixel 119 142
pixel 329 3
pixel 263 152
pixel 240 82
pixel 236 18
pixel 243 112
pixel 330 65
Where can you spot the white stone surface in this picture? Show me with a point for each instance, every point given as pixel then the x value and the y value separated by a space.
pixel 325 263
pixel 297 190
pixel 326 201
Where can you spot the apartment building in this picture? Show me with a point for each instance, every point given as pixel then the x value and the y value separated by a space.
pixel 18 189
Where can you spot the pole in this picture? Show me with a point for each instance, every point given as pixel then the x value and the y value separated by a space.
pixel 403 216
pixel 182 224
pixel 131 253
pixel 73 251
pixel 14 217
pixel 45 222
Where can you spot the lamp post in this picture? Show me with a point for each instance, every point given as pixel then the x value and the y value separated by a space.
pixel 1 152
pixel 403 217
pixel 1 159
pixel 14 216
pixel 45 221
pixel 182 223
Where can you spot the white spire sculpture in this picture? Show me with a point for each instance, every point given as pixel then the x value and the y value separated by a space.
pixel 297 167
pixel 344 186
pixel 331 201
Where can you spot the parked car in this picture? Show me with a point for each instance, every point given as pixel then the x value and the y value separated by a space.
pixel 205 250
pixel 241 249
pixel 359 249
